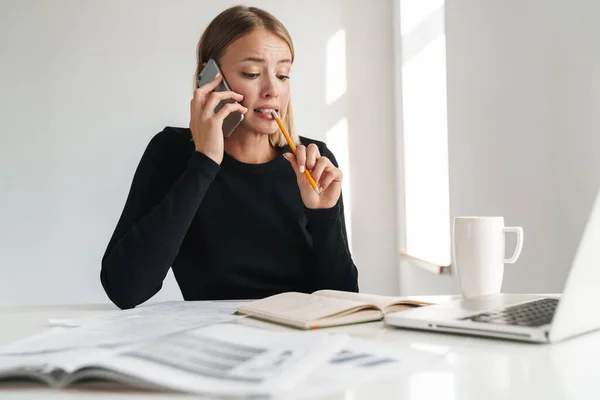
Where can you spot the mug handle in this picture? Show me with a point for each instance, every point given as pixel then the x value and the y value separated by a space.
pixel 519 231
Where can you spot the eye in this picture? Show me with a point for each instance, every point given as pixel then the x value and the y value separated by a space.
pixel 250 76
pixel 283 77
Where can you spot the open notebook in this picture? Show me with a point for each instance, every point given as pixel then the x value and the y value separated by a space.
pixel 325 308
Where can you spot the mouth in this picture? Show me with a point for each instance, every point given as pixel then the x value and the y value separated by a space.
pixel 266 113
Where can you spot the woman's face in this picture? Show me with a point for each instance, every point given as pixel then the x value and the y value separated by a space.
pixel 258 66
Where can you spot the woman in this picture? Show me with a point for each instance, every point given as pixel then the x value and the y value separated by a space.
pixel 235 217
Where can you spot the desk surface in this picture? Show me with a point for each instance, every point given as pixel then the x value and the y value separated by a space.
pixel 467 367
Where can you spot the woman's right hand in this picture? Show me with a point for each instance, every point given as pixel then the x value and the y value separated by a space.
pixel 205 124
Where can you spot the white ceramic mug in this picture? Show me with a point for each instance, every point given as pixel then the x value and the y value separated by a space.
pixel 478 253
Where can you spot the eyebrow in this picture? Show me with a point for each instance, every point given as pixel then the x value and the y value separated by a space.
pixel 262 60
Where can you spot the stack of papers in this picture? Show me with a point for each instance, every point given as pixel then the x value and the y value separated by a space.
pixel 197 347
pixel 124 327
pixel 222 359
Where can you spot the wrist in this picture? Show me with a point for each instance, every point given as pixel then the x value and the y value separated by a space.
pixel 217 158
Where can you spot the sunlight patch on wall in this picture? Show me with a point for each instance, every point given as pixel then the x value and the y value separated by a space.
pixel 337 141
pixel 336 67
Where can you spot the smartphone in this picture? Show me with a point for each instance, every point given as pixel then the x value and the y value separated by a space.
pixel 210 71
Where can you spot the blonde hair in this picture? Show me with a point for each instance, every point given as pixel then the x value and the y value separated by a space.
pixel 229 26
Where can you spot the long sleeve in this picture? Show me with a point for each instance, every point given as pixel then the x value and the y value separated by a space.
pixel 156 217
pixel 334 268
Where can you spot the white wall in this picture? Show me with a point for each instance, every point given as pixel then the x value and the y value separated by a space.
pixel 523 119
pixel 85 84
pixel 578 158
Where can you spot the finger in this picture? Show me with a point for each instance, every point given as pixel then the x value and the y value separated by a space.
pixel 197 102
pixel 312 155
pixel 195 110
pixel 301 157
pixel 202 91
pixel 215 98
pixel 293 162
pixel 319 168
pixel 330 176
pixel 228 109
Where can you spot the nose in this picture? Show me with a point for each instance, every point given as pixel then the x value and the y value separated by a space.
pixel 270 87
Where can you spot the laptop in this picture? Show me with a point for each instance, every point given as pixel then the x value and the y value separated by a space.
pixel 532 318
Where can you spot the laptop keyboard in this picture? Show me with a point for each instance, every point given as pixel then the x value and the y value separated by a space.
pixel 535 313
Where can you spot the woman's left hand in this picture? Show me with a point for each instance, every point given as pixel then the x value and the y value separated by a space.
pixel 327 176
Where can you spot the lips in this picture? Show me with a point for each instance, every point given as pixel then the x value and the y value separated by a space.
pixel 266 112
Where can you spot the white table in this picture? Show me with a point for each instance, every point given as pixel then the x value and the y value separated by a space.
pixel 467 367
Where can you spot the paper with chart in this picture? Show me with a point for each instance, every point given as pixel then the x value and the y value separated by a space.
pixel 127 326
pixel 180 310
pixel 363 360
pixel 229 359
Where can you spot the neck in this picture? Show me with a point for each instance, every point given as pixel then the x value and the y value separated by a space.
pixel 250 148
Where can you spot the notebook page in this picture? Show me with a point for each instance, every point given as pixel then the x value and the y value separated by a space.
pixel 378 300
pixel 301 306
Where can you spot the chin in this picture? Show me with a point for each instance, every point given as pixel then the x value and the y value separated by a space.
pixel 262 127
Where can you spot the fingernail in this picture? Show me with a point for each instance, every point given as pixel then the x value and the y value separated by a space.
pixel 301 169
pixel 218 75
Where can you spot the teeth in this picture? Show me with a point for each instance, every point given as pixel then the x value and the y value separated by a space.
pixel 264 110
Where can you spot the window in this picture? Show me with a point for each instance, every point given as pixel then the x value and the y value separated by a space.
pixel 422 151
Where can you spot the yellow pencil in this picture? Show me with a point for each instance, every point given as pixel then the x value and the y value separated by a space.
pixel 293 147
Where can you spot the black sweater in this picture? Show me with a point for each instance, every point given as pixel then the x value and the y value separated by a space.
pixel 234 231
